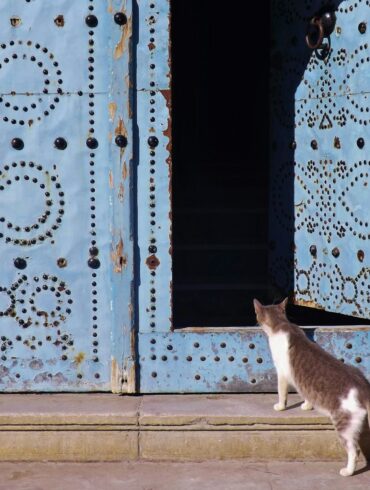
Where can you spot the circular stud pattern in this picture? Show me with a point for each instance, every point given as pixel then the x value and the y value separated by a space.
pixel 23 56
pixel 8 301
pixel 48 291
pixel 26 178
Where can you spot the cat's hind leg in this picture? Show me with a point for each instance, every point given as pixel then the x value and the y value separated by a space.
pixel 283 393
pixel 352 452
pixel 349 425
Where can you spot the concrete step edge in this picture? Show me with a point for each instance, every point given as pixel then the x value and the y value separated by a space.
pixel 173 428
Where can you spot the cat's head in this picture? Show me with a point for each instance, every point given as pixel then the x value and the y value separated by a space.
pixel 269 317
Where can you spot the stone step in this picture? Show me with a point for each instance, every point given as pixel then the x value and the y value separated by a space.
pixel 105 427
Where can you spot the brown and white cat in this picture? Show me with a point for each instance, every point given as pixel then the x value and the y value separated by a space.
pixel 338 390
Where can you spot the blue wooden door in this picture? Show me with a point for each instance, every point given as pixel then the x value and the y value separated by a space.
pixel 319 199
pixel 64 192
pixel 319 180
pixel 332 170
pixel 320 172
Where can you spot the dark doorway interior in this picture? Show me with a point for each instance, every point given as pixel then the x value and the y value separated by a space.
pixel 220 187
pixel 221 166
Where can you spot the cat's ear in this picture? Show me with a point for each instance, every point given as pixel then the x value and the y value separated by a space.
pixel 257 306
pixel 283 304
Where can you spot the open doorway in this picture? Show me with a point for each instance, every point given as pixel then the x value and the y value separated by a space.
pixel 221 156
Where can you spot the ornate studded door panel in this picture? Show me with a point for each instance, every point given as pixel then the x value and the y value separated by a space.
pixel 320 171
pixel 331 198
pixel 64 236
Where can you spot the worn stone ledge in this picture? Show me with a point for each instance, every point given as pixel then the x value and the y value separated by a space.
pixel 68 409
pixel 86 410
pixel 257 446
pixel 68 445
pixel 105 427
pixel 230 427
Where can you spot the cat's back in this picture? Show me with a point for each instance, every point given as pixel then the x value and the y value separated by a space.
pixel 317 374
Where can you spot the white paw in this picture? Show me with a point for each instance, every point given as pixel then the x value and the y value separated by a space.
pixel 306 406
pixel 279 407
pixel 345 472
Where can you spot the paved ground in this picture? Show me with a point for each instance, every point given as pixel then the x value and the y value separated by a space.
pixel 225 475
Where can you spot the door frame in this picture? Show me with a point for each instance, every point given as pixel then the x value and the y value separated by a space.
pixel 190 360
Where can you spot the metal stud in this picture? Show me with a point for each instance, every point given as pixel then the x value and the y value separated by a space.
pixel 314 144
pixel 62 262
pixel 153 141
pixel 92 143
pixel 313 250
pixel 120 18
pixel 121 141
pixel 152 249
pixel 361 255
pixel 360 143
pixel 59 21
pixel 94 251
pixel 91 20
pixel 20 263
pixel 362 27
pixel 337 143
pixel 17 144
pixel 94 263
pixel 335 252
pixel 60 144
